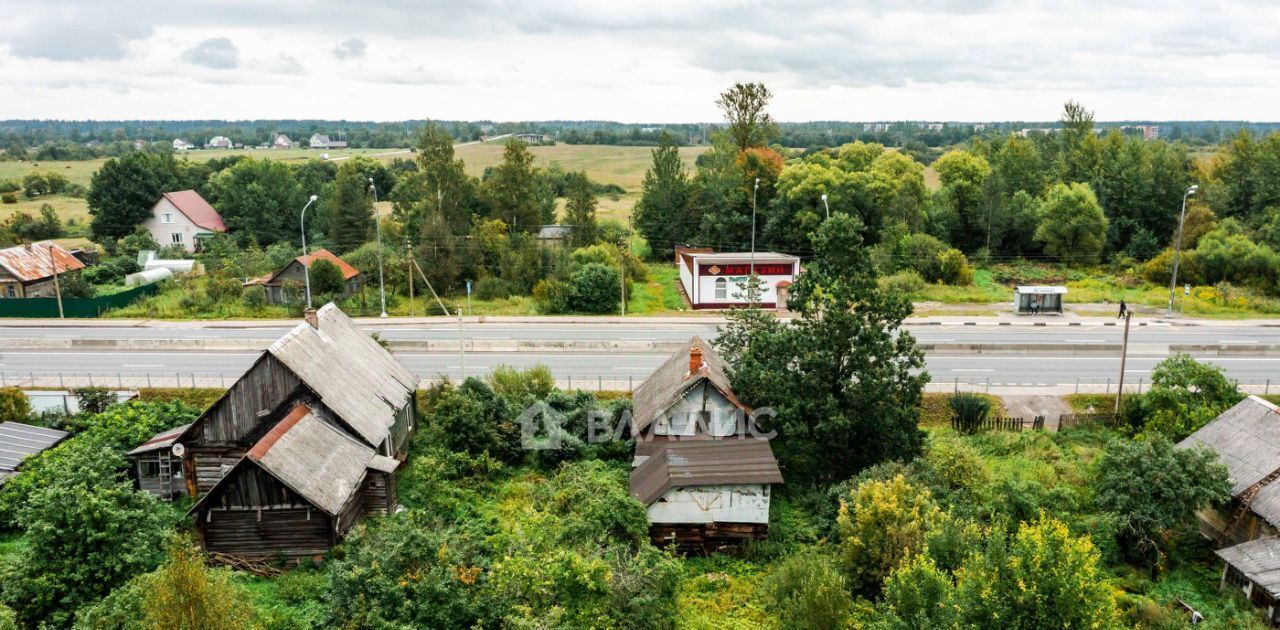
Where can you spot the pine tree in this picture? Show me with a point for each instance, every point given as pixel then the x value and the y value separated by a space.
pixel 350 210
pixel 511 189
pixel 662 215
pixel 580 211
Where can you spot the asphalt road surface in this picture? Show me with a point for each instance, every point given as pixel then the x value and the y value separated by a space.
pixel 997 370
pixel 1087 332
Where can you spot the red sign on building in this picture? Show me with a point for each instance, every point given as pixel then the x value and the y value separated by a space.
pixel 762 269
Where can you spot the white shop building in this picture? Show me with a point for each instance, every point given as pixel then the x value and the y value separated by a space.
pixel 718 280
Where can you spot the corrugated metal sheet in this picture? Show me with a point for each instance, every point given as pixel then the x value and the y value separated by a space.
pixel 354 376
pixel 19 441
pixel 667 384
pixel 1247 440
pixel 31 263
pixel 1258 560
pixel 159 441
pixel 705 463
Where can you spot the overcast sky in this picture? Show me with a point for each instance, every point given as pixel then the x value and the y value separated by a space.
pixel 652 61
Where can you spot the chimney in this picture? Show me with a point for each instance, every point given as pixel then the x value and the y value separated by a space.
pixel 695 359
pixel 310 316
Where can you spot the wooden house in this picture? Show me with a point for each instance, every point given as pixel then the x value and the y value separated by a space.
pixel 300 488
pixel 1246 438
pixel 342 378
pixel 284 286
pixel 27 271
pixel 704 478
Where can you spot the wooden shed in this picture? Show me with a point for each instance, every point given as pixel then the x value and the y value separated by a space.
pixel 1254 568
pixel 19 441
pixel 156 468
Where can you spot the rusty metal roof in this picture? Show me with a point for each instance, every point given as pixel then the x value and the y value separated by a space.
pixel 161 440
pixel 667 384
pixel 704 463
pixel 32 262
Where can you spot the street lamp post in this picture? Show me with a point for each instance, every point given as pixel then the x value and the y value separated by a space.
pixel 754 191
pixel 826 205
pixel 377 222
pixel 306 268
pixel 1177 249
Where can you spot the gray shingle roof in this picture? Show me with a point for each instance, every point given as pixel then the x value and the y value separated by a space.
pixel 161 440
pixel 19 441
pixel 704 463
pixel 313 458
pixel 1258 560
pixel 354 376
pixel 667 384
pixel 1247 440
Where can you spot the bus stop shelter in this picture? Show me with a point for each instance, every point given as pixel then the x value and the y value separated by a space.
pixel 1038 299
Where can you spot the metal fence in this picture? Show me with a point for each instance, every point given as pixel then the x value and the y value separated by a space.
pixel 1078 385
pixel 73 307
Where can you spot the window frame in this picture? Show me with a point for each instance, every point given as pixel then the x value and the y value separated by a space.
pixel 175 238
pixel 722 289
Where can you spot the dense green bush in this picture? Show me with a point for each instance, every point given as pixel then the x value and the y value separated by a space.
pixel 881 525
pixel 968 411
pixel 809 593
pixel 474 419
pixel 14 405
pixel 954 268
pixel 596 289
pixel 326 278
pixel 409 571
pixel 908 282
pixel 94 400
pixel 225 289
pixel 1185 395
pixel 491 288
pixel 552 296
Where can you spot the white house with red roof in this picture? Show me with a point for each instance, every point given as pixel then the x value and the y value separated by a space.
pixel 183 219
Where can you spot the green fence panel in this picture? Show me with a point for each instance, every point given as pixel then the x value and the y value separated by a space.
pixel 74 307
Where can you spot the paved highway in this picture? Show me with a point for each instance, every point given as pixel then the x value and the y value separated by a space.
pixel 1054 332
pixel 998 370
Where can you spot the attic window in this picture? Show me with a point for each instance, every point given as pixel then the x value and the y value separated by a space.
pixel 166 217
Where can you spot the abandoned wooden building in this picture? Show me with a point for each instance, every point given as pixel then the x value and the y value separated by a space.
pixel 301 487
pixel 1246 438
pixel 156 468
pixel 285 286
pixel 326 371
pixel 704 478
pixel 1254 568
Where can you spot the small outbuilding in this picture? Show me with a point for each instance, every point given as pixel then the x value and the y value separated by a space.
pixel 1038 299
pixel 283 286
pixel 19 441
pixel 1254 568
pixel 157 466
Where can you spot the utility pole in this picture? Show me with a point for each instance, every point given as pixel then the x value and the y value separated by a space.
pixel 1124 355
pixel 57 288
pixel 754 191
pixel 1173 279
pixel 622 268
pixel 377 222
pixel 408 247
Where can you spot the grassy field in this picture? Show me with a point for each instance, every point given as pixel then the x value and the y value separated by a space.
pixel 624 166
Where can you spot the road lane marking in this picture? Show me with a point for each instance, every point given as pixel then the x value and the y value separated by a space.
pixel 143 365
pixel 972 370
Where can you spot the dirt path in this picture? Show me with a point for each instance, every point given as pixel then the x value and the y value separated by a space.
pixel 1028 407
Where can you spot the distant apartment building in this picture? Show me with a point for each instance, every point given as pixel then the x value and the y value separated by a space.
pixel 879 127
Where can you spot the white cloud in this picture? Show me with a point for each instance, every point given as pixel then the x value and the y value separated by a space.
pixel 218 53
pixel 350 48
pixel 657 61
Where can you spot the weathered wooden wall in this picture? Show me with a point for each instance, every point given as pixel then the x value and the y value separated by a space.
pixel 261 390
pixel 295 533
